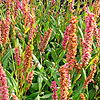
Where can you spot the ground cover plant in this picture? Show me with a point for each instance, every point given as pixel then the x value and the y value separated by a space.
pixel 49 49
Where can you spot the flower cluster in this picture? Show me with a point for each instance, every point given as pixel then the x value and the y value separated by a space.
pixel 87 46
pixel 53 2
pixel 28 63
pixel 97 34
pixel 32 22
pixel 65 38
pixel 82 96
pixel 14 96
pixel 44 41
pixel 26 11
pixel 96 6
pixel 7 23
pixel 65 82
pixel 16 8
pixel 54 89
pixel 17 58
pixel 72 43
pixel 28 58
pixel 91 75
pixel 4 93
pixel 0 32
pixel 98 10
pixel 30 77
pixel 72 5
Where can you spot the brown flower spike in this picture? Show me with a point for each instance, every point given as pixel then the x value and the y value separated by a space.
pixel 28 63
pixel 72 43
pixel 28 57
pixel 64 82
pixel 44 41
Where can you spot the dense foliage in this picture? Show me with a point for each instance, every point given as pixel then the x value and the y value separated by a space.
pixel 49 49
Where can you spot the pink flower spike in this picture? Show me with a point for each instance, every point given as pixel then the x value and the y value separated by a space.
pixel 54 89
pixel 4 92
pixel 53 2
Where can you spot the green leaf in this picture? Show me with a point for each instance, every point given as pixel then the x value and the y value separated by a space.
pixel 69 1
pixel 81 33
pixel 91 94
pixel 95 50
pixel 46 96
pixel 91 62
pixel 77 91
pixel 37 98
pixel 83 75
pixel 98 24
pixel 27 28
pixel 49 64
pixel 40 80
pixel 33 95
pixel 54 55
pixel 11 81
pixel 7 55
pixel 60 56
pixel 61 33
pixel 36 61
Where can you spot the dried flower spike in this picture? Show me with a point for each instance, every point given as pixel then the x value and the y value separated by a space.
pixel 72 43
pixel 64 82
pixel 28 57
pixel 44 41
pixel 28 63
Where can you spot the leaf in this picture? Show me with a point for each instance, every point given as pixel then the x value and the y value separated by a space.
pixel 69 1
pixel 40 80
pixel 81 33
pixel 44 78
pixel 49 64
pixel 91 94
pixel 33 95
pixel 95 50
pixel 91 62
pixel 54 21
pixel 60 56
pixel 83 75
pixel 77 91
pixel 37 98
pixel 36 61
pixel 34 86
pixel 27 28
pixel 54 55
pixel 8 54
pixel 98 24
pixel 61 33
pixel 36 23
pixel 46 96
pixel 55 77
pixel 13 84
